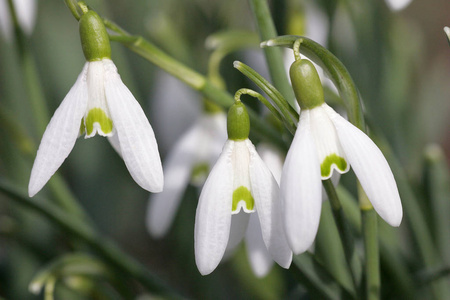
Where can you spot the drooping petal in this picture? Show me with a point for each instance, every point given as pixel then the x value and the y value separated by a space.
pixel 265 190
pixel 329 151
pixel 213 215
pixel 177 169
pixel 115 143
pixel 371 168
pixel 260 259
pixel 301 188
pixel 136 137
pixel 60 135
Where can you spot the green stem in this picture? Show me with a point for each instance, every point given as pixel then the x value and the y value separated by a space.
pixel 334 68
pixel 103 246
pixel 345 233
pixel 274 57
pixel 369 224
pixel 193 79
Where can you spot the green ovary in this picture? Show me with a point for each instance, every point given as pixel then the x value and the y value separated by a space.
pixel 332 159
pixel 97 115
pixel 242 194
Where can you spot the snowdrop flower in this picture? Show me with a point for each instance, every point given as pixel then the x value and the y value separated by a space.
pixel 323 142
pixel 26 16
pixel 99 103
pixel 239 184
pixel 190 159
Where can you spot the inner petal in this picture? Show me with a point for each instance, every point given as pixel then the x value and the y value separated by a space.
pixel 242 196
pixel 329 150
pixel 97 118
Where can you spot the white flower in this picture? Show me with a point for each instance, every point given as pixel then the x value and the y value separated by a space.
pixel 198 148
pixel 239 181
pixel 324 142
pixel 26 15
pixel 100 103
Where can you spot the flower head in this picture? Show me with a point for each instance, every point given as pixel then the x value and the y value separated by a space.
pixel 239 184
pixel 323 142
pixel 99 103
pixel 26 16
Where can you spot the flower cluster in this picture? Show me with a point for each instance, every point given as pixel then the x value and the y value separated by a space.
pixel 240 197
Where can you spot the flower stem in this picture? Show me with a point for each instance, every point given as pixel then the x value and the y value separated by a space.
pixel 344 233
pixel 103 246
pixel 371 249
pixel 193 79
pixel 274 57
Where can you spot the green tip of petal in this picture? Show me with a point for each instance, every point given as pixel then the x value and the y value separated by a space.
pixel 306 84
pixel 97 115
pixel 94 38
pixel 238 122
pixel 327 165
pixel 242 198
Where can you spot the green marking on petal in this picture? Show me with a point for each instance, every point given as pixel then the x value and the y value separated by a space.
pixel 332 159
pixel 242 194
pixel 97 115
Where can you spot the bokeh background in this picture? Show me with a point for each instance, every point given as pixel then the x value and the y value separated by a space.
pixel 400 61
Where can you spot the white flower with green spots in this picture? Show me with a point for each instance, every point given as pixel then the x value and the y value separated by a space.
pixel 325 141
pixel 100 103
pixel 239 184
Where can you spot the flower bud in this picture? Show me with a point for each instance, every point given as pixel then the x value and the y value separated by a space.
pixel 306 84
pixel 94 38
pixel 238 122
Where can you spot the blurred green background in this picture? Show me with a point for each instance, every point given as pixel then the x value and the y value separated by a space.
pixel 400 62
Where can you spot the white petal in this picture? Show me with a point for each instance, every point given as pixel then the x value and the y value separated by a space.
pixel 273 159
pixel 396 5
pixel 265 190
pixel 260 260
pixel 60 135
pixel 26 13
pixel 371 168
pixel 213 216
pixel 115 143
pixel 136 137
pixel 301 189
pixel 177 169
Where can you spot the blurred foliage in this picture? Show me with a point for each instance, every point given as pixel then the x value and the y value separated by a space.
pixel 399 61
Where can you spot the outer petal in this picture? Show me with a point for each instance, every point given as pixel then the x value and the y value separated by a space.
pixel 136 137
pixel 213 216
pixel 60 135
pixel 301 189
pixel 371 168
pixel 265 190
pixel 396 5
pixel 260 260
pixel 177 169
